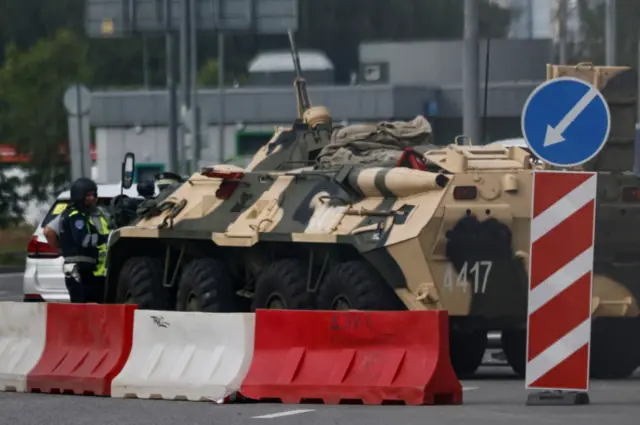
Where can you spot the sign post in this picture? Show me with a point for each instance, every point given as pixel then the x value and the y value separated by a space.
pixel 77 102
pixel 565 122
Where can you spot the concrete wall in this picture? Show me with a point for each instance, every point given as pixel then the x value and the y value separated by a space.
pixel 261 105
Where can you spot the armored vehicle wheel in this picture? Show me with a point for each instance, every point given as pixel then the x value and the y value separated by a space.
pixel 514 345
pixel 283 285
pixel 206 285
pixel 352 285
pixel 140 282
pixel 615 352
pixel 467 350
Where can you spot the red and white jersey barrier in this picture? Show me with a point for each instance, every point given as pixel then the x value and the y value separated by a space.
pixel 560 280
pixel 119 351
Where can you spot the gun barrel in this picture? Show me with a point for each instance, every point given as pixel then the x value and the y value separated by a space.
pixel 375 182
pixel 294 55
pixel 299 83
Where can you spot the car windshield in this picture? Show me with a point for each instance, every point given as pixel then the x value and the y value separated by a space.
pixel 61 204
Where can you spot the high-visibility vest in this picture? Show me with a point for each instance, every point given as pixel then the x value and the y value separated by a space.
pixel 102 224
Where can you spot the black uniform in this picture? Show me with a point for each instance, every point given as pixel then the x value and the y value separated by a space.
pixel 79 242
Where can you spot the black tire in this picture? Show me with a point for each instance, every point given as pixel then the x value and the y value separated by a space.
pixel 283 285
pixel 140 282
pixel 514 345
pixel 206 285
pixel 615 352
pixel 354 285
pixel 466 350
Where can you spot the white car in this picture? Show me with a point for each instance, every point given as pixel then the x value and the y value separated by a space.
pixel 43 276
pixel 516 141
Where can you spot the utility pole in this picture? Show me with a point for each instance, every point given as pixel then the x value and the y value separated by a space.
pixel 636 162
pixel 196 144
pixel 610 32
pixel 470 72
pixel 221 116
pixel 185 74
pixel 171 87
pixel 562 32
pixel 145 62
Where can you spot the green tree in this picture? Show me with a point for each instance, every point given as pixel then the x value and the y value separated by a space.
pixel 11 201
pixel 208 73
pixel 32 84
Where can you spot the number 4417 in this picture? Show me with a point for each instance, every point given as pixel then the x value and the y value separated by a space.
pixel 475 273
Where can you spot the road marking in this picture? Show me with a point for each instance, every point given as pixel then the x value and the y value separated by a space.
pixel 554 134
pixel 281 414
pixel 470 388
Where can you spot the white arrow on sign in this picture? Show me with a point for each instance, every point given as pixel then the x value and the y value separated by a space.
pixel 554 134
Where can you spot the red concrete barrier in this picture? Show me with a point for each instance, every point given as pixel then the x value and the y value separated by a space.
pixel 370 357
pixel 87 345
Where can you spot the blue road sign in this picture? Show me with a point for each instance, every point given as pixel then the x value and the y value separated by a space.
pixel 566 121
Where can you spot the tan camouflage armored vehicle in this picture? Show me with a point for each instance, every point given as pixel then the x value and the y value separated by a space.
pixel 369 217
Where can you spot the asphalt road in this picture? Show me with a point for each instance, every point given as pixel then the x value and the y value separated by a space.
pixel 495 397
pixel 11 287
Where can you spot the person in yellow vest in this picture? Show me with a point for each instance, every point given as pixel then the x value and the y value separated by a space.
pixel 100 223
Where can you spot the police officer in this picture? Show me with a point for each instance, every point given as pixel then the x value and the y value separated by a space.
pixel 146 189
pixel 103 222
pixel 83 243
pixel 167 183
pixel 167 179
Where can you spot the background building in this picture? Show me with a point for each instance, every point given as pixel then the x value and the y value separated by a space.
pixel 396 81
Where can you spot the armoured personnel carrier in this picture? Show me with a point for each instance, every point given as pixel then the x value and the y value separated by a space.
pixel 374 217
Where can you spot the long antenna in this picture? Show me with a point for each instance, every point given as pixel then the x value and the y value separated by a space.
pixel 486 92
pixel 299 83
pixel 294 55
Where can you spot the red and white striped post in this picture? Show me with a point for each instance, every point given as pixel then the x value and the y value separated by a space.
pixel 560 286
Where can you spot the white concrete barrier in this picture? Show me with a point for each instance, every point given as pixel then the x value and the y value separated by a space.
pixel 23 332
pixel 186 355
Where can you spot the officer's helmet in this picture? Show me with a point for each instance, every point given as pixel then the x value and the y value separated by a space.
pixel 167 179
pixel 80 188
pixel 146 188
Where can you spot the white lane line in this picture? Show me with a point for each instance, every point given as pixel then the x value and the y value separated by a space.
pixel 299 411
pixel 281 414
pixel 465 388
